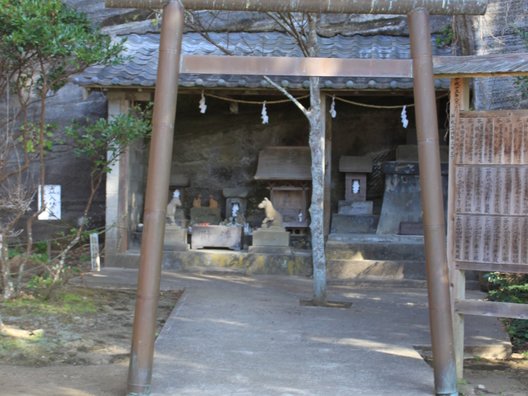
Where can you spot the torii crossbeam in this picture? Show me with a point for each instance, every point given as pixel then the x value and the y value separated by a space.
pixel 141 360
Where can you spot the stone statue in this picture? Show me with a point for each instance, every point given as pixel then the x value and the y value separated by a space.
pixel 273 218
pixel 235 208
pixel 272 237
pixel 197 201
pixel 173 205
pixel 213 203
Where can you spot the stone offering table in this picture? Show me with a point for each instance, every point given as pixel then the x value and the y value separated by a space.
pixel 216 236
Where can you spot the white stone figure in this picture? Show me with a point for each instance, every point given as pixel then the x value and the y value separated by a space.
pixel 235 208
pixel 273 218
pixel 174 204
pixel 355 186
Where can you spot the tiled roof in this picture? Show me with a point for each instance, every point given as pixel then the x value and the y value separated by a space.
pixel 140 69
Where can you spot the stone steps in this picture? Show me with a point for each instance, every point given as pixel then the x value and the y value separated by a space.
pixel 358 224
pixel 374 257
pixel 204 260
pixel 347 269
pixel 375 248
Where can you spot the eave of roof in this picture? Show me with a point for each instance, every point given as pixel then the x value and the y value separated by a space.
pixel 140 70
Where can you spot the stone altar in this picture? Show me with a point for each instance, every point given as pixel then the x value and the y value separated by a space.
pixel 216 236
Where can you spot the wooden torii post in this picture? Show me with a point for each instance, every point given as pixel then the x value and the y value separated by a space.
pixel 140 369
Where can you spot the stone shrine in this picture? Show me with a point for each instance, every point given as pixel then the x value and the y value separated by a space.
pixel 236 204
pixel 355 212
pixel 287 171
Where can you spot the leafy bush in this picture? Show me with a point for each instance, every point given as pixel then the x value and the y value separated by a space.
pixel 512 288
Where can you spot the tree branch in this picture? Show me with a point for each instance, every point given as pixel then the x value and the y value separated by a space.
pixel 305 111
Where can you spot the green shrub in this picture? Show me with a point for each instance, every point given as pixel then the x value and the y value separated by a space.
pixel 512 288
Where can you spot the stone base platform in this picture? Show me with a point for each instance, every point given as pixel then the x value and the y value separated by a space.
pixel 396 259
pixel 297 262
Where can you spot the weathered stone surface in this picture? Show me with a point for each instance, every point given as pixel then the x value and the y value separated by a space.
pixel 355 164
pixel 402 200
pixel 284 163
pixel 205 215
pixel 411 228
pixel 499 31
pixel 375 247
pixel 270 240
pixel 364 224
pixel 409 153
pixel 175 238
pixel 179 180
pixel 236 192
pixel 271 237
pixel 69 104
pixel 216 236
pixel 355 208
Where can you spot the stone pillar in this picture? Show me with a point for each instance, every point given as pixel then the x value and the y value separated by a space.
pixel 116 239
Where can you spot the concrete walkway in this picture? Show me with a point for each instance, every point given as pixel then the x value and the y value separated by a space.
pixel 236 335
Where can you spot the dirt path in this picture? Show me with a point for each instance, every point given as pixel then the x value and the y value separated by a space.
pixel 76 345
pixel 100 380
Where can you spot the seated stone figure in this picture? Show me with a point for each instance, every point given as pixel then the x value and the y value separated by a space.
pixel 197 201
pixel 273 218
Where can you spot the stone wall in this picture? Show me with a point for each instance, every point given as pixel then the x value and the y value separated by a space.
pixel 500 31
pixel 68 105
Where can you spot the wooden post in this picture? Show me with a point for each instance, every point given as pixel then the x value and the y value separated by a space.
pixel 163 120
pixel 327 122
pixel 458 101
pixel 440 318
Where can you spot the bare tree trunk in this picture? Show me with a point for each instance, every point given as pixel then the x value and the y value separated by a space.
pixel 58 268
pixel 8 291
pixel 317 148
pixel 25 258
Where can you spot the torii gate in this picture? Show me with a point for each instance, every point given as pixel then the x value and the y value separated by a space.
pixel 421 69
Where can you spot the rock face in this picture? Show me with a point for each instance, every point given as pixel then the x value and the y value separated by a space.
pixel 330 25
pixel 500 31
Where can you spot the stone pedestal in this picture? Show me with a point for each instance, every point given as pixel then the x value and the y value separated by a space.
pixel 175 238
pixel 273 240
pixel 355 208
pixel 179 218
